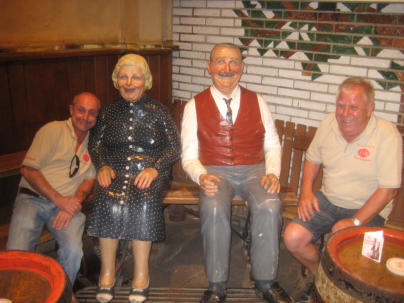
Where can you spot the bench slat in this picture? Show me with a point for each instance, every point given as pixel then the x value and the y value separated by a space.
pixel 287 144
pixel 188 194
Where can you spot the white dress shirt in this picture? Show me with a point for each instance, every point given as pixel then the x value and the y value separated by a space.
pixel 190 144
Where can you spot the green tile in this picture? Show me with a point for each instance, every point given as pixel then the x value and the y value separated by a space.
pixel 376 42
pixel 271 24
pixel 361 7
pixel 254 13
pixel 264 42
pixel 388 76
pixel 324 57
pixel 262 51
pixel 365 29
pixel 275 4
pixel 244 41
pixel 248 4
pixel 346 50
pixel 396 66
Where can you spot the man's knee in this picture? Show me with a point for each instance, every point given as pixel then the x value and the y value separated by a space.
pixel 215 207
pixel 273 204
pixel 296 236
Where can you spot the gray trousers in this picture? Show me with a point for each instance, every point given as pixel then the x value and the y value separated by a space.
pixel 265 214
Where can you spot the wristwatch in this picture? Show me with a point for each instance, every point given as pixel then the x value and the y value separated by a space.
pixel 356 221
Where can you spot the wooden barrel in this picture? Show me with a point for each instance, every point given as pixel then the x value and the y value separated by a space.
pixel 345 275
pixel 31 277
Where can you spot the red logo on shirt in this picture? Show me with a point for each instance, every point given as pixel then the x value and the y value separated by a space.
pixel 363 153
pixel 86 157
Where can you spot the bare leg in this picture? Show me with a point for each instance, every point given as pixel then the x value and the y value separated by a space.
pixel 108 248
pixel 141 254
pixel 298 241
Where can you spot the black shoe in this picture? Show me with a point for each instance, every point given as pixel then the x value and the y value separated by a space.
pixel 138 295
pixel 104 294
pixel 274 294
pixel 305 295
pixel 211 296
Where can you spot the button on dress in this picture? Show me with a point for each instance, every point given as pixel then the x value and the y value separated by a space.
pixel 129 137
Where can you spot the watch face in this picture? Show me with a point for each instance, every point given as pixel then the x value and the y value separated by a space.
pixel 356 222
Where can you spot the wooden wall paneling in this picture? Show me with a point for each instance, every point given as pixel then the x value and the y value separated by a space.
pixel 23 129
pixel 166 79
pixel 112 93
pixel 154 65
pixel 78 75
pixel 100 77
pixel 41 87
pixel 6 114
pixel 47 89
pixel 87 74
pixel 104 88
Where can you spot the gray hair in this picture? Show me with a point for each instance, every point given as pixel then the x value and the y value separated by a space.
pixel 367 87
pixel 228 45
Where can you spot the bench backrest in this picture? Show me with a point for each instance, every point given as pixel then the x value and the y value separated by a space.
pixel 295 139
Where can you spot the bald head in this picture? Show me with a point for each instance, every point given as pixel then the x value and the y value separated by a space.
pixel 84 111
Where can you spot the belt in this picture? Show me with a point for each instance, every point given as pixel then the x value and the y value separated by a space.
pixel 27 191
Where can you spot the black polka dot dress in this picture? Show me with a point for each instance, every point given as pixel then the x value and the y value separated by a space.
pixel 129 137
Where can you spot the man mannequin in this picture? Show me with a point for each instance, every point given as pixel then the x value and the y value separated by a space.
pixel 230 147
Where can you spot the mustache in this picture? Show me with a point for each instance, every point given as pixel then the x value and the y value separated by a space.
pixel 224 74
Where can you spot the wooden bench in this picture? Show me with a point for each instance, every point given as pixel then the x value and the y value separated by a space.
pixel 295 139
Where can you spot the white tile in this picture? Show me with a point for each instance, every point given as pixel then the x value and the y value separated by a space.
pixel 297 93
pixel 323 97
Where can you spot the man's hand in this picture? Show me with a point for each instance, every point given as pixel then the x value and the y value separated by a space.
pixel 145 178
pixel 341 224
pixel 104 176
pixel 305 205
pixel 62 219
pixel 208 183
pixel 71 205
pixel 271 183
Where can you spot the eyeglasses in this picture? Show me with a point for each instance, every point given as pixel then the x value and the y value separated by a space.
pixel 74 166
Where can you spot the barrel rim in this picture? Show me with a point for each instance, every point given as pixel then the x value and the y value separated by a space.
pixel 348 280
pixel 47 267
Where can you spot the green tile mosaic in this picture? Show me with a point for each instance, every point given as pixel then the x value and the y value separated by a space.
pixel 324 31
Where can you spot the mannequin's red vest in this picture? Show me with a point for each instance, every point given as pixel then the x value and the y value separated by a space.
pixel 223 144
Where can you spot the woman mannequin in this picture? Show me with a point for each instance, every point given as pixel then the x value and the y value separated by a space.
pixel 133 146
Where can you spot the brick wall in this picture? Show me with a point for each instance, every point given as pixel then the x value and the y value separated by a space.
pixel 296 52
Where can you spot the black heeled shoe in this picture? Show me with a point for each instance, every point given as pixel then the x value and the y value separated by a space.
pixel 104 294
pixel 138 295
